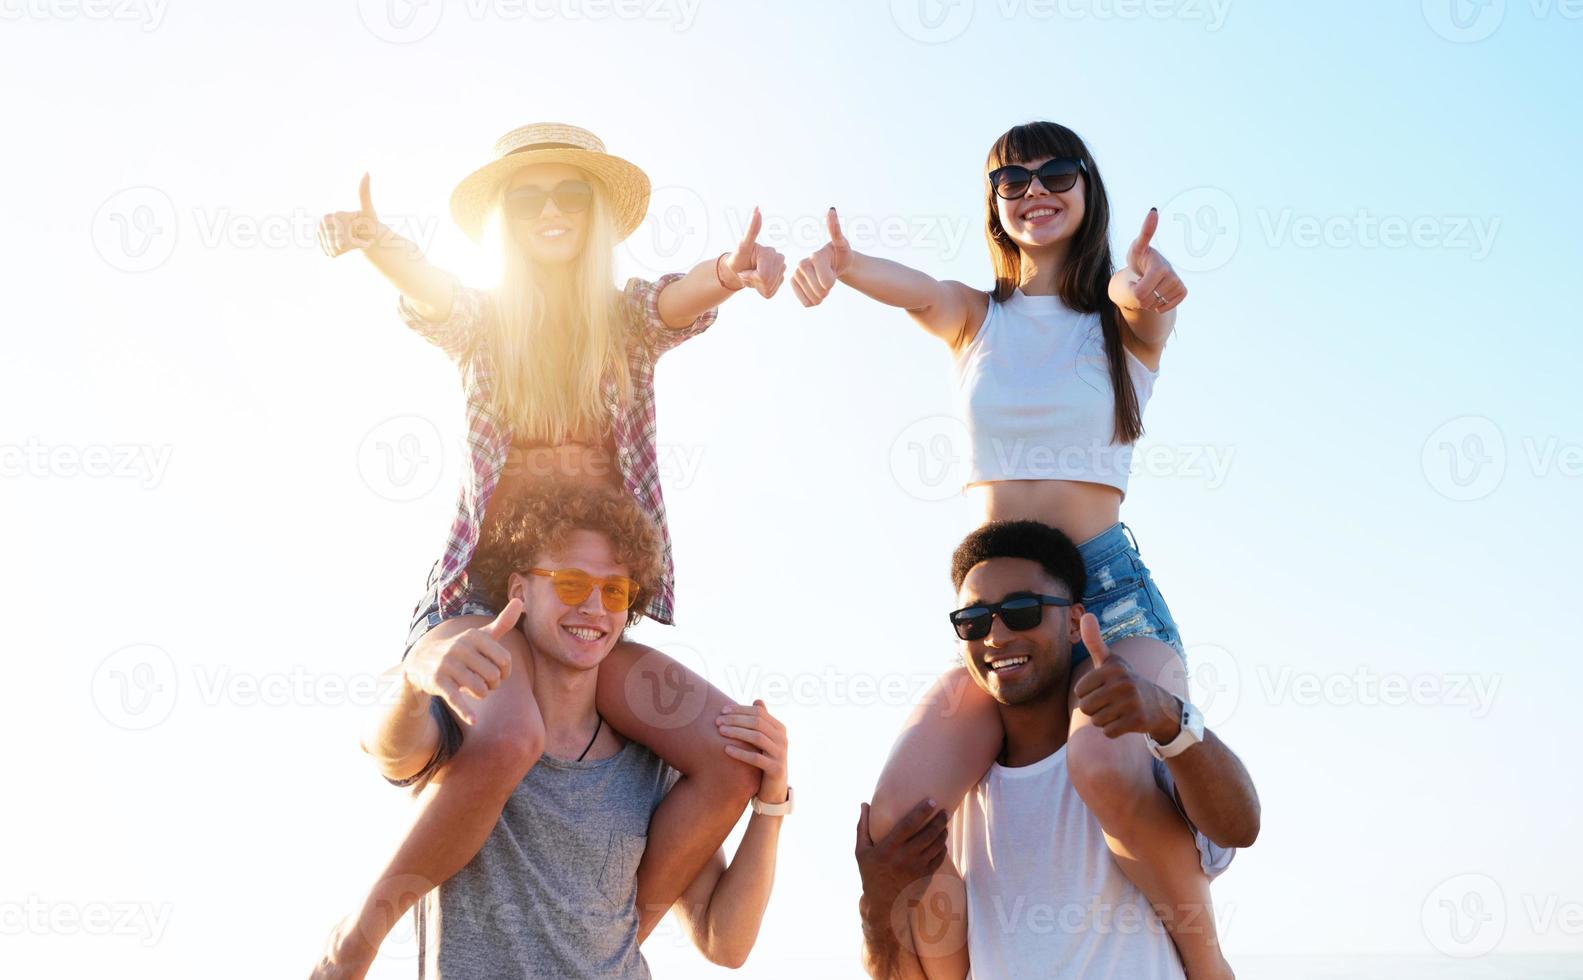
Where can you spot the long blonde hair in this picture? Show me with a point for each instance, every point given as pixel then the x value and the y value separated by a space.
pixel 557 335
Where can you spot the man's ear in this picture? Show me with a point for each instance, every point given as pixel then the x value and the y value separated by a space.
pixel 1074 623
pixel 517 588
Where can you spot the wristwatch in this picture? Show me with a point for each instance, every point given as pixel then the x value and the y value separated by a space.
pixel 1191 734
pixel 774 809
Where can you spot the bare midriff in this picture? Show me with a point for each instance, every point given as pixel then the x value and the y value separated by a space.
pixel 1079 510
pixel 586 463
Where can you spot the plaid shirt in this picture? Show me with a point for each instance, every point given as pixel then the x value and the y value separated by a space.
pixel 489 441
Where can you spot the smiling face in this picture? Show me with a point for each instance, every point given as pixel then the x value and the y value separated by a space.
pixel 1018 667
pixel 576 637
pixel 554 237
pixel 1041 220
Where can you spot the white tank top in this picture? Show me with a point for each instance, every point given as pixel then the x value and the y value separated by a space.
pixel 1045 899
pixel 1034 390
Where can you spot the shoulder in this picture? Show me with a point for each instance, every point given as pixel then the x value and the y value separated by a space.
pixel 975 304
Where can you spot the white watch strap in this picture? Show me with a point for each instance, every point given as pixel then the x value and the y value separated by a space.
pixel 774 809
pixel 1189 735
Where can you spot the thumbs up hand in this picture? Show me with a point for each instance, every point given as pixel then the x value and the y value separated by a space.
pixel 1117 700
pixel 818 273
pixel 1147 283
pixel 757 265
pixel 343 231
pixel 473 661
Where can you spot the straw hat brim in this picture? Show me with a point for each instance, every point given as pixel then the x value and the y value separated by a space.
pixel 624 188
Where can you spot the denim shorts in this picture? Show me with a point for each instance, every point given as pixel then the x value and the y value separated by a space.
pixel 426 614
pixel 1122 594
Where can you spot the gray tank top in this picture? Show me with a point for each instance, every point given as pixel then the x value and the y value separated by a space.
pixel 553 893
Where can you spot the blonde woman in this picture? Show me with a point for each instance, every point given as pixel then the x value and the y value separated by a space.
pixel 557 366
pixel 1054 366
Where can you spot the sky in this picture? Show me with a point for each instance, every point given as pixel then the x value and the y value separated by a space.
pixel 225 468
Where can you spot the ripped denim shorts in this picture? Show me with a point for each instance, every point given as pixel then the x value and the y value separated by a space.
pixel 1122 594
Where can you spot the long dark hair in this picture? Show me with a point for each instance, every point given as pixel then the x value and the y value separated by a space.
pixel 1084 283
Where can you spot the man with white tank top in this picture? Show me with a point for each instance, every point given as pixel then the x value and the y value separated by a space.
pixel 1018 883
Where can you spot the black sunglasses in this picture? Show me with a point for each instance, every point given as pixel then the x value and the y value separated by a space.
pixel 1020 612
pixel 1060 174
pixel 570 196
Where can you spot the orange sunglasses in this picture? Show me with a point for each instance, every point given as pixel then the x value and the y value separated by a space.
pixel 617 593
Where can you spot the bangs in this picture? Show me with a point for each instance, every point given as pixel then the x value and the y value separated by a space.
pixel 1034 140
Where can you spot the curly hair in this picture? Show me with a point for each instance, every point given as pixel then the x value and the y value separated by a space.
pixel 1032 540
pixel 542 519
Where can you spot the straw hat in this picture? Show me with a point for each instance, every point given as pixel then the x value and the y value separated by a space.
pixel 622 186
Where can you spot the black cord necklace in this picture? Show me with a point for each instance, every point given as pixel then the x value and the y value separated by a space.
pixel 598 723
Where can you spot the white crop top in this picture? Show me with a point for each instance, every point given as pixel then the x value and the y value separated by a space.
pixel 1034 390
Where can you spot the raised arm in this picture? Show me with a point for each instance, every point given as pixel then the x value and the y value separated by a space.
pixel 710 283
pixel 724 906
pixel 1147 291
pixel 427 287
pixel 947 309
pixel 450 659
pixel 1214 787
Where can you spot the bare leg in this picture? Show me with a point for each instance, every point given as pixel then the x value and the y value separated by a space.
pixel 655 701
pixel 948 743
pixel 1147 837
pixel 456 810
